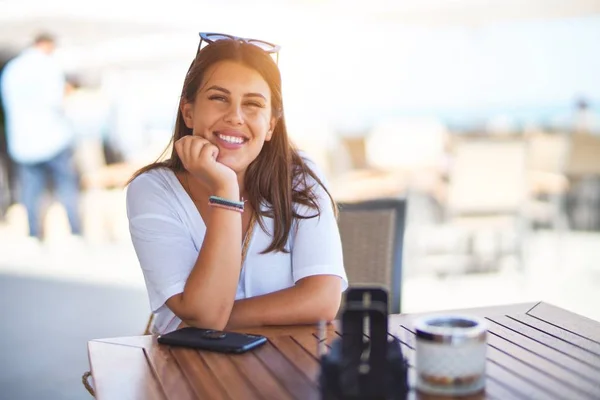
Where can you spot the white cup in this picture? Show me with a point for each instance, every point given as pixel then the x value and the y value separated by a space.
pixel 450 354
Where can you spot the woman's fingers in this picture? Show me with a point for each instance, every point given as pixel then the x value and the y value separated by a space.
pixel 208 153
pixel 189 149
pixel 199 158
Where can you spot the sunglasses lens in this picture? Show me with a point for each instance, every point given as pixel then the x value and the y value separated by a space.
pixel 216 36
pixel 268 47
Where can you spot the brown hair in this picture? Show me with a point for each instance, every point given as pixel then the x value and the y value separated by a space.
pixel 279 176
pixel 44 37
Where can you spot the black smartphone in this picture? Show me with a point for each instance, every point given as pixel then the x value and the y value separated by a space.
pixel 213 340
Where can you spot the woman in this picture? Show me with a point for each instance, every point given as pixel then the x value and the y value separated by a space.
pixel 236 229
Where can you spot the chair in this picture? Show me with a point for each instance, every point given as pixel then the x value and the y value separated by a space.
pixel 583 171
pixel 547 159
pixel 582 157
pixel 488 194
pixel 372 234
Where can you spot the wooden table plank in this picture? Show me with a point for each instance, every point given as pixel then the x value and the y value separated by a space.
pixel 172 379
pixel 533 375
pixel 235 384
pixel 146 341
pixel 199 376
pixel 122 372
pixel 552 341
pixel 502 384
pixel 309 343
pixel 563 334
pixel 261 378
pixel 519 386
pixel 296 354
pixel 287 373
pixel 561 378
pixel 567 320
pixel 566 361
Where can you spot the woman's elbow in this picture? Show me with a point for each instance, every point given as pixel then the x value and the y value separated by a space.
pixel 330 301
pixel 215 322
pixel 214 317
pixel 330 311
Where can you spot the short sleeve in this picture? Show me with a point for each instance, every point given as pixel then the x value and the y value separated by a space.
pixel 163 244
pixel 316 245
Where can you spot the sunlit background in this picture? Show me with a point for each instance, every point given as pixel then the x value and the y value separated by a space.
pixel 468 108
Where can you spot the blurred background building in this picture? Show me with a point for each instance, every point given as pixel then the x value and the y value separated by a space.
pixel 485 115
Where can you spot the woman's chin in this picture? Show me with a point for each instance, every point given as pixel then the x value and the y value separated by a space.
pixel 229 162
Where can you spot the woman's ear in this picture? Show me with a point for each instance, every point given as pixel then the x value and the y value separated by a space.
pixel 187 113
pixel 272 125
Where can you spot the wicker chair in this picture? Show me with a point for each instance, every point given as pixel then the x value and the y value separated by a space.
pixel 372 234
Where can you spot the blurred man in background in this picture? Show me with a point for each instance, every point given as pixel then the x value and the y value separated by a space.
pixel 585 120
pixel 38 135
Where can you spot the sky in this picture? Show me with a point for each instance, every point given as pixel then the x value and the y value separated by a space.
pixel 527 68
pixel 350 71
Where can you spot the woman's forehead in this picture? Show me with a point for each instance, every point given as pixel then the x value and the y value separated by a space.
pixel 235 76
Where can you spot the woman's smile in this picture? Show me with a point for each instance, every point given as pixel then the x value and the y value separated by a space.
pixel 230 139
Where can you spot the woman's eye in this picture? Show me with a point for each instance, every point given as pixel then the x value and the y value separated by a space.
pixel 217 98
pixel 254 104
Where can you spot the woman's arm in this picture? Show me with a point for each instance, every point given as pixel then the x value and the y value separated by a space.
pixel 312 299
pixel 317 270
pixel 209 292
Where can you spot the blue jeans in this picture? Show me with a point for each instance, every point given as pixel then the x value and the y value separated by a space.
pixel 33 181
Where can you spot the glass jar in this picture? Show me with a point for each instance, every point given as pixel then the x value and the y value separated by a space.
pixel 450 354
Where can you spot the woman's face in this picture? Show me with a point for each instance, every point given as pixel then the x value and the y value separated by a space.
pixel 232 110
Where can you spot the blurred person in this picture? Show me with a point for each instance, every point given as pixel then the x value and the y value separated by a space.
pixel 585 121
pixel 38 135
pixel 236 228
pixel 6 165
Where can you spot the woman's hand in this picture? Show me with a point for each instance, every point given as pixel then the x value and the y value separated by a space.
pixel 199 158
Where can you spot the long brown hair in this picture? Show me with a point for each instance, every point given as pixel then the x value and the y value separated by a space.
pixel 279 177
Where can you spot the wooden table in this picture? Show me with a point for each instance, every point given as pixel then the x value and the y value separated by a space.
pixel 535 351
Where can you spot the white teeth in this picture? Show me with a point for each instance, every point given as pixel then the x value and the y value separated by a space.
pixel 231 139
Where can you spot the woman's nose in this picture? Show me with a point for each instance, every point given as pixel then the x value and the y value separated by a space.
pixel 234 115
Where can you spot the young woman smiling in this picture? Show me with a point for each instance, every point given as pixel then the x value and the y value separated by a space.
pixel 236 228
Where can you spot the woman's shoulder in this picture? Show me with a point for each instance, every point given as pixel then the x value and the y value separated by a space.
pixel 159 177
pixel 157 185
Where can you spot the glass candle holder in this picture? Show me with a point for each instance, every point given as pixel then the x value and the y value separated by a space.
pixel 450 354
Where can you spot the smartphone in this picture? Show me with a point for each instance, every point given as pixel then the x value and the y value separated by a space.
pixel 212 340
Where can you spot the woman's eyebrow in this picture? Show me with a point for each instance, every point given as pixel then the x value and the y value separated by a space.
pixel 219 88
pixel 222 89
pixel 256 95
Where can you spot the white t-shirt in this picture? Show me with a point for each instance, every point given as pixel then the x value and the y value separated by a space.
pixel 33 90
pixel 167 233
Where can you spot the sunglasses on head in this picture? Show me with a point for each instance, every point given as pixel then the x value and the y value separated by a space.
pixel 210 37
